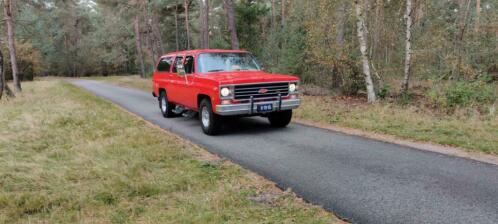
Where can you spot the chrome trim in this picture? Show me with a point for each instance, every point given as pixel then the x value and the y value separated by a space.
pixel 245 109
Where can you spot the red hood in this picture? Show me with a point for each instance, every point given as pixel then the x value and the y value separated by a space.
pixel 242 77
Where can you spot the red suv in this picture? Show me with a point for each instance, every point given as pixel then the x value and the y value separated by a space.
pixel 219 83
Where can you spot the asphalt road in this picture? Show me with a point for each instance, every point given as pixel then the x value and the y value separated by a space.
pixel 362 180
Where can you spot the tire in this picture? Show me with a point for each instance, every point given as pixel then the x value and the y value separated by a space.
pixel 165 106
pixel 280 119
pixel 210 122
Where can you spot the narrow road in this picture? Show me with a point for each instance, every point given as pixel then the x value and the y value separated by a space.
pixel 362 180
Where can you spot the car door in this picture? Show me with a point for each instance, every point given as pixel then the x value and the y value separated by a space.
pixel 177 83
pixel 189 94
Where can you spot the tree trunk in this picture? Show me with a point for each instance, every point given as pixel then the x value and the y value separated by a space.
pixel 283 14
pixel 341 23
pixel 138 42
pixel 460 36
pixel 204 18
pixel 187 26
pixel 408 45
pixel 478 16
pixel 176 27
pixel 379 28
pixel 2 75
pixel 273 16
pixel 7 9
pixel 362 37
pixel 231 24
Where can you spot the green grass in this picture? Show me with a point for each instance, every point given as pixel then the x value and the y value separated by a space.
pixel 69 157
pixel 467 129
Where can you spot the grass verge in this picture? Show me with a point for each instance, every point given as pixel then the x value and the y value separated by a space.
pixel 67 156
pixel 467 130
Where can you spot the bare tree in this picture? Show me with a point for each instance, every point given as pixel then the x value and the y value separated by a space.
pixel 7 9
pixel 138 42
pixel 408 45
pixel 231 24
pixel 362 37
pixel 187 24
pixel 204 18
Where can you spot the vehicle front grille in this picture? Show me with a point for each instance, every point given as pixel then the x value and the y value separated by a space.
pixel 261 90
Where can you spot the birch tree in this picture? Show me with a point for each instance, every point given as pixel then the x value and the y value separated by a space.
pixel 234 40
pixel 7 11
pixel 408 45
pixel 362 37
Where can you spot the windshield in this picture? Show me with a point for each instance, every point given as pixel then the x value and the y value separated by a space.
pixel 226 62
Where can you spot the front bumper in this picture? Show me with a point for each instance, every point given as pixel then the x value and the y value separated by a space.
pixel 245 109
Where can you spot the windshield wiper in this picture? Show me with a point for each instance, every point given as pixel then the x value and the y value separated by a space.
pixel 216 70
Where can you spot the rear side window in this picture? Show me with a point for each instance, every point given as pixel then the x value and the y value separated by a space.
pixel 164 65
pixel 178 61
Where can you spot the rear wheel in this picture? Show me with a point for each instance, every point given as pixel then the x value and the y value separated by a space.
pixel 165 106
pixel 210 121
pixel 280 119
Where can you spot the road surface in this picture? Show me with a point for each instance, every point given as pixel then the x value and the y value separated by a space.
pixel 361 180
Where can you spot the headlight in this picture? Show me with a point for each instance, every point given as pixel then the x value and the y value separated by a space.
pixel 292 87
pixel 225 92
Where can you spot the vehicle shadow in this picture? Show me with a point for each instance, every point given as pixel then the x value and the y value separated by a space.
pixel 247 125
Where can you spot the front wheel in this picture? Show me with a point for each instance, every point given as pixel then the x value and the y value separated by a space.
pixel 280 119
pixel 210 121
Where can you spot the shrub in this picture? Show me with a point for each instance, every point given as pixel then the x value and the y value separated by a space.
pixel 462 94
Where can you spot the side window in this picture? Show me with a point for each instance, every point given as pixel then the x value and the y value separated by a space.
pixel 164 65
pixel 178 61
pixel 189 65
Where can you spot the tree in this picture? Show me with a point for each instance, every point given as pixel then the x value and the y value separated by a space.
pixel 204 19
pixel 138 42
pixel 234 40
pixel 187 21
pixel 7 10
pixel 408 45
pixel 362 37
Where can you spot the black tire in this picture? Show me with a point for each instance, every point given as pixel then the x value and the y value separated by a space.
pixel 168 108
pixel 280 119
pixel 210 122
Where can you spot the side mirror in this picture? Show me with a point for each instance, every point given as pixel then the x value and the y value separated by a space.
pixel 180 69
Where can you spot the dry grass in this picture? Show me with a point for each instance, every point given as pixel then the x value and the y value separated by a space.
pixel 467 128
pixel 69 157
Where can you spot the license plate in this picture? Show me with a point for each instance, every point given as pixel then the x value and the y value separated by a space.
pixel 265 108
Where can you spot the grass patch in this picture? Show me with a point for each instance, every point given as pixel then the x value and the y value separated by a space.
pixel 466 128
pixel 69 157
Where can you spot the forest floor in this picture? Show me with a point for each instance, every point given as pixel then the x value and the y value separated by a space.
pixel 465 128
pixel 67 156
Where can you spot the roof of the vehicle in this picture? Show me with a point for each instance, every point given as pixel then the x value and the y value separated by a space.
pixel 197 51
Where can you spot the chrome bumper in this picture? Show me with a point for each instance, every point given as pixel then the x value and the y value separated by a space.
pixel 245 109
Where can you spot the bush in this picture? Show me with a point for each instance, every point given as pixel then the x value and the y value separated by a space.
pixel 462 94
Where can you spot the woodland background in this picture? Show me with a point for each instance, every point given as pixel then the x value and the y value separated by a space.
pixel 453 43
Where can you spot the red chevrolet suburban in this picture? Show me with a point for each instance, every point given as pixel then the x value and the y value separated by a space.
pixel 220 83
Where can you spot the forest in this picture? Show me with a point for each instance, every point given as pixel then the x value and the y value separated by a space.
pixel 445 51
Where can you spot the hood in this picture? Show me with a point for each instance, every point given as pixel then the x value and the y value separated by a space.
pixel 242 77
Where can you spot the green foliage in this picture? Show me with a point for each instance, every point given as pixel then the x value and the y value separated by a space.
pixel 466 94
pixel 384 91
